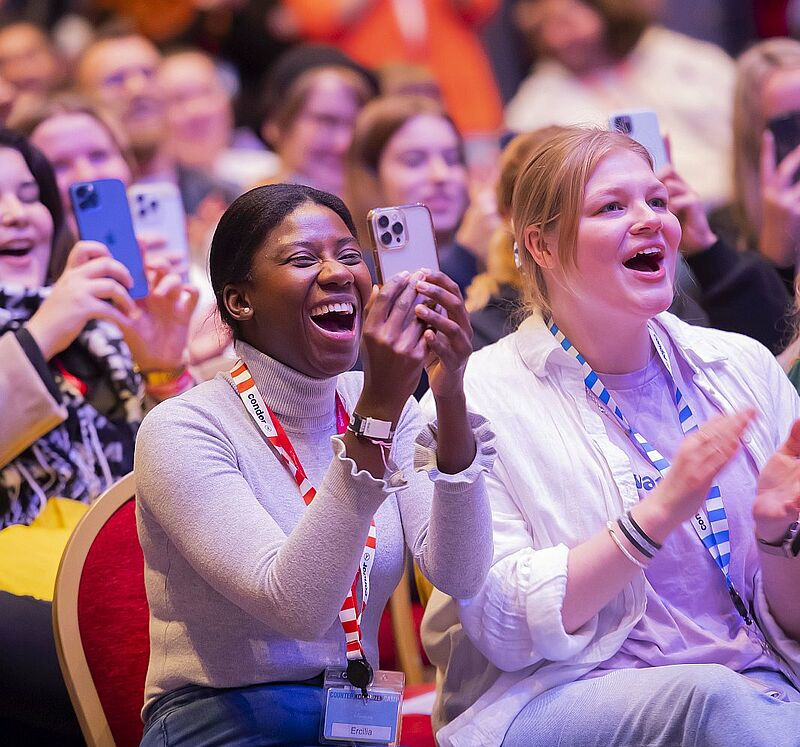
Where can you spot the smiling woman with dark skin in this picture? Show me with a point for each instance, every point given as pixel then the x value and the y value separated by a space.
pixel 245 580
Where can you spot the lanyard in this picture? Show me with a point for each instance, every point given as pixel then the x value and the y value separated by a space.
pixel 272 430
pixel 711 520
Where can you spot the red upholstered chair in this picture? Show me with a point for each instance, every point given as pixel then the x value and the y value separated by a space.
pixel 100 620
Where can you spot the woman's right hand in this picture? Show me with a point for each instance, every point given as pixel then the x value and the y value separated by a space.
pixel 780 205
pixel 700 457
pixel 393 348
pixel 93 285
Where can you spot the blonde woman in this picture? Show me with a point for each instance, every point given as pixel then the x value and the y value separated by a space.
pixel 644 581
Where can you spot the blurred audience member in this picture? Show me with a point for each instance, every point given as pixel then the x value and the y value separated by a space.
pixel 765 214
pixel 493 297
pixel 73 345
pixel 406 149
pixel 200 123
pixel 83 144
pixel 119 74
pixel 311 101
pixel 595 57
pixel 28 62
pixel 7 95
pixel 403 79
pixel 437 34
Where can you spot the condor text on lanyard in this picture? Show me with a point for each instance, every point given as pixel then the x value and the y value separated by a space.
pixel 711 520
pixel 358 669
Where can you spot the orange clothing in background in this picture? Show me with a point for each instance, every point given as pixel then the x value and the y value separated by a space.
pixel 450 48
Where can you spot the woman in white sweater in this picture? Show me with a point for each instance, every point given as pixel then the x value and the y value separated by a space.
pixel 246 574
pixel 644 583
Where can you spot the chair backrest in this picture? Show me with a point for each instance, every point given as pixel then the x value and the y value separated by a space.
pixel 100 620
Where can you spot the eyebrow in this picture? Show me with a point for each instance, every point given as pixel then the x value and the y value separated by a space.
pixel 312 245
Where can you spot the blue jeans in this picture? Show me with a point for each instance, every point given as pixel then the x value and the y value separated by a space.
pixel 280 713
pixel 260 715
pixel 684 705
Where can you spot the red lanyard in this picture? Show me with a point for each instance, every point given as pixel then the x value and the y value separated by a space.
pixel 274 434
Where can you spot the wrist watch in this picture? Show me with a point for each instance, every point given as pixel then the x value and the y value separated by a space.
pixel 371 428
pixel 787 547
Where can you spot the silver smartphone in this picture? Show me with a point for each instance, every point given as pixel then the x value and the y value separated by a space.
pixel 402 239
pixel 642 126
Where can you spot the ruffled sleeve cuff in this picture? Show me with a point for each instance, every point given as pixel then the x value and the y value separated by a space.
pixel 485 452
pixel 393 478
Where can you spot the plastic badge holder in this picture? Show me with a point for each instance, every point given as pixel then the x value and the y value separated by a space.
pixel 350 718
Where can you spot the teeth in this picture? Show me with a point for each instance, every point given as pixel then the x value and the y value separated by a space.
pixel 331 308
pixel 649 251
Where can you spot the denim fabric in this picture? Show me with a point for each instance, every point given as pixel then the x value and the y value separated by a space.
pixel 683 705
pixel 285 714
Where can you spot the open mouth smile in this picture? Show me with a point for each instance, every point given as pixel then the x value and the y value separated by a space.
pixel 648 261
pixel 337 320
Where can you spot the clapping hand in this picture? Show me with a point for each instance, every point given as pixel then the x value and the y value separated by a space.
pixel 777 502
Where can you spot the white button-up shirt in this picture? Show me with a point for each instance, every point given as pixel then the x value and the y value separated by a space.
pixel 557 480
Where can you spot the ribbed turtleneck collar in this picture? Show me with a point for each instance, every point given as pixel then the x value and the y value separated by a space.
pixel 300 402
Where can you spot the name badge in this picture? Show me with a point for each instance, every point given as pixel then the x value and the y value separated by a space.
pixel 350 718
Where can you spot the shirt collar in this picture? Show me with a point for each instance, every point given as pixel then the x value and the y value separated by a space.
pixel 539 350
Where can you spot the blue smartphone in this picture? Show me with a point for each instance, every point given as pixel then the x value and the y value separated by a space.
pixel 102 214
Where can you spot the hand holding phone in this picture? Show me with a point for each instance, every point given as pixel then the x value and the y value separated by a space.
pixel 102 214
pixel 642 126
pixel 785 130
pixel 402 240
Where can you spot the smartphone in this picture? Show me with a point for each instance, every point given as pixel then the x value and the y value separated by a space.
pixel 102 214
pixel 157 209
pixel 642 126
pixel 402 239
pixel 786 131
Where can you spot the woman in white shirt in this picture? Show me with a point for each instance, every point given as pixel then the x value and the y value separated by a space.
pixel 605 617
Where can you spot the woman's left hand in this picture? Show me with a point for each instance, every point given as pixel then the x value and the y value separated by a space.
pixel 449 337
pixel 777 502
pixel 158 333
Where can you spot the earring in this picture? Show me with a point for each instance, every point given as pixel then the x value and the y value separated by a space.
pixel 246 310
pixel 517 260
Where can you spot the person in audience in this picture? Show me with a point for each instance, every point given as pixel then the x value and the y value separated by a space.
pixel 765 213
pixel 119 74
pixel 80 142
pixel 312 97
pixel 597 57
pixel 79 356
pixel 29 63
pixel 199 123
pixel 406 149
pixel 290 281
pixel 644 582
pixel 83 144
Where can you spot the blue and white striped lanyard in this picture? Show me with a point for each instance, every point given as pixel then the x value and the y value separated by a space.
pixel 711 521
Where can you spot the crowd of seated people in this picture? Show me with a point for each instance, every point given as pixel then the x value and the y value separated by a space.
pixel 580 425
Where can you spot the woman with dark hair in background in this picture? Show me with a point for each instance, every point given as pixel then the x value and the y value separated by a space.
pixel 226 533
pixel 77 354
pixel 312 97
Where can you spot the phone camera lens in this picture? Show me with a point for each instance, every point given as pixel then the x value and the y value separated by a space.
pixel 154 205
pixel 386 237
pixel 397 228
pixel 383 221
pixel 624 125
pixel 83 190
pixel 142 212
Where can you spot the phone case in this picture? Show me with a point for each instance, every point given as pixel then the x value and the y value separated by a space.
pixel 643 127
pixel 157 208
pixel 402 239
pixel 786 131
pixel 102 214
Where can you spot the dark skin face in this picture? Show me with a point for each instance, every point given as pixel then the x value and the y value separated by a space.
pixel 303 302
